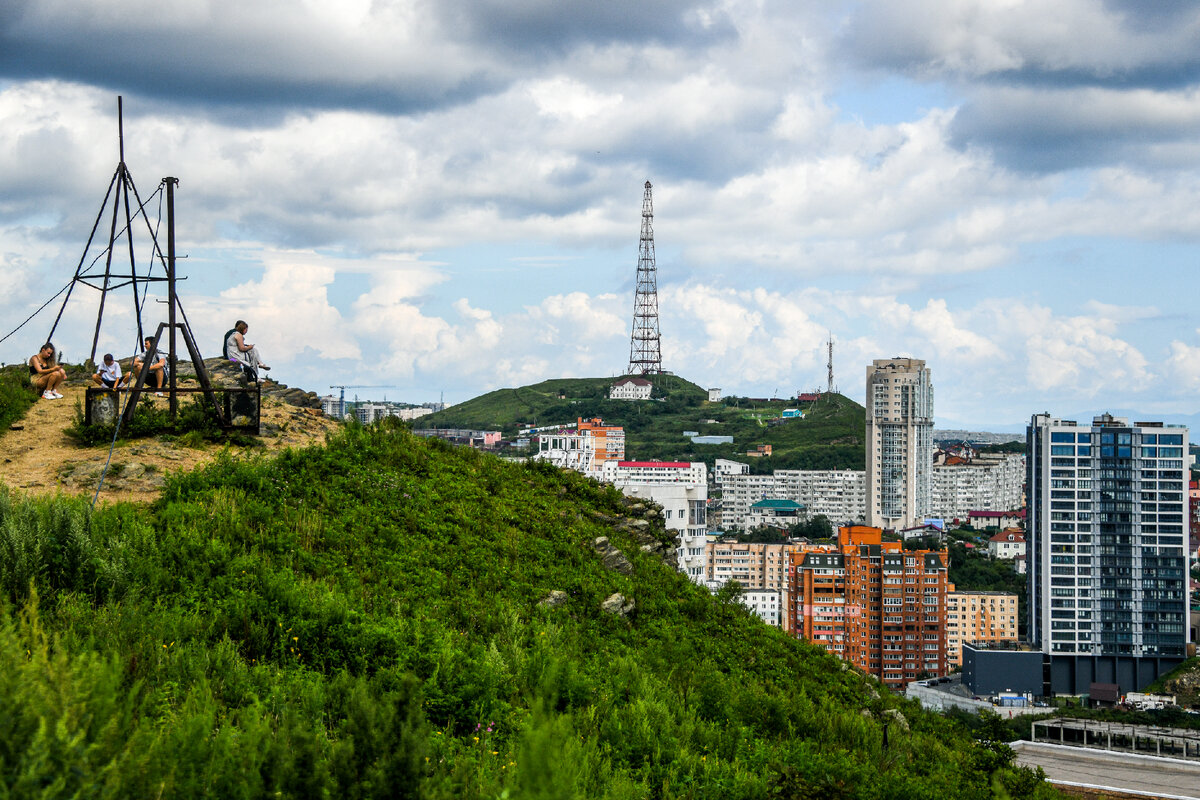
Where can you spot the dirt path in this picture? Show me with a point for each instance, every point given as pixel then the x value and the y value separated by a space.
pixel 37 457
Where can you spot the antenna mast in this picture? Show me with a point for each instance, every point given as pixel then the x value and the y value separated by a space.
pixel 829 388
pixel 645 345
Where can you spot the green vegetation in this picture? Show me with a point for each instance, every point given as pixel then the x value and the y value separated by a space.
pixel 830 436
pixel 16 395
pixel 193 425
pixel 364 619
pixel 1005 447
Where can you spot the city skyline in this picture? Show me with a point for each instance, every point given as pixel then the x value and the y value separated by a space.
pixel 447 198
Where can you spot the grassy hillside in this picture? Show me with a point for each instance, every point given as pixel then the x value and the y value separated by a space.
pixel 365 619
pixel 829 437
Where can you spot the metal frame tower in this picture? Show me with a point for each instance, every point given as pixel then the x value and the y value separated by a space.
pixel 829 387
pixel 645 344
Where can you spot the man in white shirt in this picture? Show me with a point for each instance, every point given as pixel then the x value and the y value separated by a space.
pixel 109 375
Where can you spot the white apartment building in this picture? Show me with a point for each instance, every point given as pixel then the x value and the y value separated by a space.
pixel 766 603
pixel 618 472
pixel 723 468
pixel 1107 546
pixel 899 407
pixel 585 448
pixel 839 495
pixel 988 482
pixel 333 406
pixel 681 488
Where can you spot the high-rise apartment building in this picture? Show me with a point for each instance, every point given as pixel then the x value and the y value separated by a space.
pixel 873 604
pixel 899 442
pixel 1107 557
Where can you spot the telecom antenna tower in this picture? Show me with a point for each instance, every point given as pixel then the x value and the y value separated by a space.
pixel 829 387
pixel 645 346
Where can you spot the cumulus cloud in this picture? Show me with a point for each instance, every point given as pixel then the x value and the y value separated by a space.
pixel 447 195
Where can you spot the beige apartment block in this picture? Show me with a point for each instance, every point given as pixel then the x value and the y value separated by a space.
pixel 978 617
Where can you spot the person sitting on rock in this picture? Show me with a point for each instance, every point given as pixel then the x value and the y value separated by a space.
pixel 239 350
pixel 109 374
pixel 158 365
pixel 45 374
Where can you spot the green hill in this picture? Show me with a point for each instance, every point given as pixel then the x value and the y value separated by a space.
pixel 830 436
pixel 385 616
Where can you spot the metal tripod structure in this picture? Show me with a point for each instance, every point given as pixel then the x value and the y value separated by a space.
pixel 119 190
pixel 645 345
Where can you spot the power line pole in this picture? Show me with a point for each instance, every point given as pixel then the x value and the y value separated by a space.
pixel 645 345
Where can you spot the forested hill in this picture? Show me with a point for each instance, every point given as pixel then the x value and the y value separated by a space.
pixel 385 616
pixel 830 436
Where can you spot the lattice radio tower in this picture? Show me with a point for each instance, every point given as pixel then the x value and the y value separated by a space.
pixel 645 345
pixel 829 387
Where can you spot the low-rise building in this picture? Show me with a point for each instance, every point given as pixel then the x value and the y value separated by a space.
pixel 981 618
pixel 1008 543
pixel 631 388
pixel 463 436
pixel 774 514
pixel 983 519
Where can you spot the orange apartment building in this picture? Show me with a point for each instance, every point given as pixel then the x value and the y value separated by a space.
pixel 608 441
pixel 978 617
pixel 874 604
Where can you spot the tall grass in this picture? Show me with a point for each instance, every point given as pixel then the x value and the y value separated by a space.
pixel 362 620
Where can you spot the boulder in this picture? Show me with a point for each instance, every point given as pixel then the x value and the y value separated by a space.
pixel 897 716
pixel 617 605
pixel 553 600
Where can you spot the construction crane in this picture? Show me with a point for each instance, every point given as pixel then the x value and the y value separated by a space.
pixel 342 397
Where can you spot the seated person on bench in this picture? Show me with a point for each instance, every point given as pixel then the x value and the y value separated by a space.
pixel 109 375
pixel 239 350
pixel 45 374
pixel 157 378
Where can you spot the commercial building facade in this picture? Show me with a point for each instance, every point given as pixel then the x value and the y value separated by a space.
pixel 899 409
pixel 1107 537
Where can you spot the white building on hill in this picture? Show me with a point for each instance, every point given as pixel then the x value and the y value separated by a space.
pixel 631 388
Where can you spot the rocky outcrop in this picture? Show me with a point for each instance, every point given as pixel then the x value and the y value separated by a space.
pixel 612 557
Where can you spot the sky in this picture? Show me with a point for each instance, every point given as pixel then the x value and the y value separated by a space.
pixel 443 197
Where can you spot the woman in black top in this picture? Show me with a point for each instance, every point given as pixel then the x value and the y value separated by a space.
pixel 45 374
